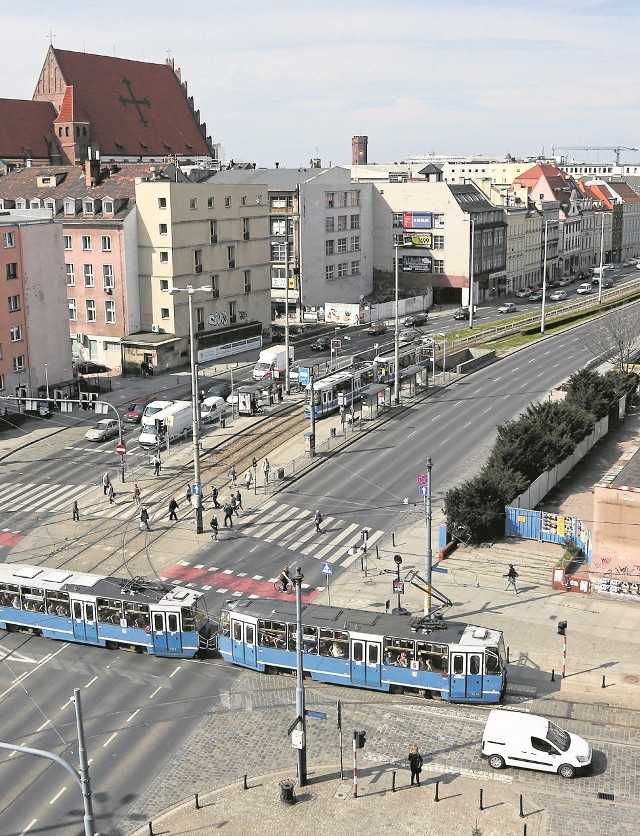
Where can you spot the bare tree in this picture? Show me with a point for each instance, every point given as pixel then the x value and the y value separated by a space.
pixel 617 337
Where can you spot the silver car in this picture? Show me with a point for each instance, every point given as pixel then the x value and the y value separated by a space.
pixel 103 430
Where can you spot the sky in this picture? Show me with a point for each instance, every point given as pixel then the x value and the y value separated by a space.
pixel 291 80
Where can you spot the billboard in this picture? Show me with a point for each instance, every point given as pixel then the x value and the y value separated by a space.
pixel 417 264
pixel 343 313
pixel 417 220
pixel 420 240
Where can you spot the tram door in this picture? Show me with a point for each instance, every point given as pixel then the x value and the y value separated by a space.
pixel 366 663
pixel 85 628
pixel 165 631
pixel 465 675
pixel 243 642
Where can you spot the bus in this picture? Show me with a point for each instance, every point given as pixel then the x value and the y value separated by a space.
pixel 131 613
pixel 412 355
pixel 339 389
pixel 384 652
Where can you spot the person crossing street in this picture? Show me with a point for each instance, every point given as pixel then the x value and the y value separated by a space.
pixel 228 515
pixel 214 528
pixel 136 494
pixel 157 464
pixel 105 484
pixel 214 497
pixel 317 518
pixel 511 578
pixel 239 508
pixel 144 518
pixel 173 507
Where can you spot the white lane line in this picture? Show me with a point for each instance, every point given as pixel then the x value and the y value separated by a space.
pixel 157 691
pixel 29 826
pixel 467 425
pixel 14 684
pixel 175 671
pixel 108 741
pixel 44 725
pixel 91 681
pixel 131 716
pixel 57 795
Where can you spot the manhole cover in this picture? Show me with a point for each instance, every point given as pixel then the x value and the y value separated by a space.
pixel 631 679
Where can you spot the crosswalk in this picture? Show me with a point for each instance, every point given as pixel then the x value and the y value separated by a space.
pixel 57 498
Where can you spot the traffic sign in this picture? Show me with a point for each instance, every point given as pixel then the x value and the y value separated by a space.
pixel 424 490
pixel 121 448
pixel 196 490
pixel 423 480
pixel 327 568
pixel 304 375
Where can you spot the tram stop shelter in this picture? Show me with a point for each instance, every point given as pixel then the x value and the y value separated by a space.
pixel 375 398
pixel 414 378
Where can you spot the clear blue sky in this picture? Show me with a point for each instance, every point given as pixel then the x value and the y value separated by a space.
pixel 288 80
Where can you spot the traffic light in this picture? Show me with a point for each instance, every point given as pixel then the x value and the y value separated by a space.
pixel 255 463
pixel 562 628
pixel 360 738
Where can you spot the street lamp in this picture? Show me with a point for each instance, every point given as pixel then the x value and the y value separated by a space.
pixel 396 337
pixel 543 317
pixel 473 235
pixel 190 290
pixel 46 378
pixel 601 254
pixel 444 353
pixel 300 708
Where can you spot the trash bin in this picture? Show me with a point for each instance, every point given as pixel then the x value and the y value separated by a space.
pixel 281 473
pixel 286 791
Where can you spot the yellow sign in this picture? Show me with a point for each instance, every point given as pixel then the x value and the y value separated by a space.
pixel 422 240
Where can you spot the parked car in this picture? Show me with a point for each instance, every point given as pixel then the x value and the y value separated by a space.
pixel 133 415
pixel 536 296
pixel 415 320
pixel 219 389
pixel 558 296
pixel 565 281
pixel 89 367
pixel 523 293
pixel 103 430
pixel 461 313
pixel 377 328
pixel 321 344
pixel 508 307
pixel 583 288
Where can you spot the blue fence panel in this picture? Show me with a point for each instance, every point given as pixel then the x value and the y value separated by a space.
pixel 522 522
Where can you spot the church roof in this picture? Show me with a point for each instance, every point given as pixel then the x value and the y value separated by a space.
pixel 26 129
pixel 70 111
pixel 134 108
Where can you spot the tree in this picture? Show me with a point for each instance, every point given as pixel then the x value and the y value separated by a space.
pixel 475 510
pixel 615 337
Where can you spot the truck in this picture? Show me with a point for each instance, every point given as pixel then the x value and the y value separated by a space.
pixel 173 421
pixel 271 363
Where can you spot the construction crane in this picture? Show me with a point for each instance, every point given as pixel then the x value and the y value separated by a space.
pixel 616 148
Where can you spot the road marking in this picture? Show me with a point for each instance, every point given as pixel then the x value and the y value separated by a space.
pixel 175 671
pixel 467 425
pixel 43 726
pixel 91 681
pixel 57 795
pixel 157 691
pixel 108 741
pixel 25 675
pixel 130 718
pixel 29 826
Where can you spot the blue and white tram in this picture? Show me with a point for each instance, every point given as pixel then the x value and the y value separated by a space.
pixel 457 662
pixel 411 355
pixel 340 388
pixel 163 619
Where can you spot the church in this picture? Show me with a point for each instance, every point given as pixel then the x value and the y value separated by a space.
pixel 126 111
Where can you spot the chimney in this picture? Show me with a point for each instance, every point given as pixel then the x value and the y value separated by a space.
pixel 92 170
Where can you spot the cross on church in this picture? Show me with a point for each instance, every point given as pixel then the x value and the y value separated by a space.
pixel 132 100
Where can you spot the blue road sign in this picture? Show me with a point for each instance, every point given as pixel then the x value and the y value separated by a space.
pixel 424 490
pixel 196 489
pixel 303 376
pixel 319 715
pixel 327 568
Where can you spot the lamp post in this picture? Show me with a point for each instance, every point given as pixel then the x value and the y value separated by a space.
pixel 396 341
pixel 46 378
pixel 428 554
pixel 300 710
pixel 190 290
pixel 473 235
pixel 601 254
pixel 444 353
pixel 544 278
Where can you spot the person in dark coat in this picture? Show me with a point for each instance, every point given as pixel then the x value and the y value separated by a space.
pixel 144 518
pixel 75 511
pixel 415 762
pixel 214 497
pixel 228 514
pixel 173 507
pixel 511 578
pixel 214 528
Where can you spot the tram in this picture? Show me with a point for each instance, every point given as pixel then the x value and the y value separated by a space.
pixel 456 662
pixel 339 389
pixel 161 619
pixel 412 355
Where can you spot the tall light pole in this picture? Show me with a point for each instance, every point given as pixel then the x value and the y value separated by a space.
pixel 195 425
pixel 444 353
pixel 428 555
pixel 46 378
pixel 601 254
pixel 287 389
pixel 473 235
pixel 396 340
pixel 300 709
pixel 544 279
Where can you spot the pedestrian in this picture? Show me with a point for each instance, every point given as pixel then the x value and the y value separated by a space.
pixel 157 464
pixel 234 504
pixel 105 484
pixel 239 508
pixel 188 495
pixel 511 578
pixel 75 511
pixel 228 514
pixel 173 507
pixel 248 478
pixel 415 762
pixel 136 495
pixel 112 494
pixel 144 518
pixel 232 476
pixel 266 467
pixel 280 392
pixel 317 518
pixel 214 497
pixel 214 528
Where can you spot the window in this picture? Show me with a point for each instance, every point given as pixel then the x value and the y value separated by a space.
pixel 12 270
pixel 87 207
pixel 342 270
pixel 278 251
pixel 197 261
pixel 243 200
pixel 342 222
pixel 231 257
pixel 110 312
pixel 16 333
pixel 278 226
pixel 87 270
pixel 329 247
pixel 69 207
pixel 73 310
pixel 281 202
pixel 329 200
pixel 18 363
pixel 215 285
pixel 355 242
pixel 14 304
pixel 108 277
pixel 329 224
pixel 10 239
pixel 213 232
pixel 107 207
pixel 162 203
pixel 164 256
pixel 91 310
pixel 193 203
pixel 210 203
pixel 233 312
pixel 342 245
pixel 355 222
pixel 342 199
pixel 106 243
pixel 1 382
pixel 200 319
pixel 164 313
pixel 245 229
pixel 247 281
pixel 86 243
pixel 68 242
pixel 329 272
pixel 162 229
pixel 355 268
pixel 164 284
pixel 71 274
pixel 355 198
pixel 396 219
pixel 438 242
pixel 438 265
pixel 227 202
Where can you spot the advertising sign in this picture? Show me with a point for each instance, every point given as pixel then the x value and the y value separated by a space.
pixel 417 220
pixel 416 264
pixel 343 313
pixel 421 240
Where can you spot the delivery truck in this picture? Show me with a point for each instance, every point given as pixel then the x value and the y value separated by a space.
pixel 271 363
pixel 171 422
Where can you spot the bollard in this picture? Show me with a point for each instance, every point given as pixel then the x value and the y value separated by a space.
pixel 393 539
pixel 437 788
pixel 603 682
pixel 197 802
pixel 151 828
pixel 393 781
pixel 553 675
pixel 244 783
pixel 521 808
pixel 481 807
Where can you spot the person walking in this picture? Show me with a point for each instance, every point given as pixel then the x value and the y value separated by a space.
pixel 239 508
pixel 157 464
pixel 136 494
pixel 214 528
pixel 232 474
pixel 214 497
pixel 511 578
pixel 234 504
pixel 248 478
pixel 266 467
pixel 188 495
pixel 144 518
pixel 111 494
pixel 75 512
pixel 105 484
pixel 317 518
pixel 228 515
pixel 173 507
pixel 415 762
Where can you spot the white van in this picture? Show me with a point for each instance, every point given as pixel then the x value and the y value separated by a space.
pixel 515 738
pixel 175 420
pixel 212 409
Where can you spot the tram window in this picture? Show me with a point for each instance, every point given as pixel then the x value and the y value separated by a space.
pixel 458 663
pixel 158 622
pixel 357 651
pixel 372 653
pixel 136 615
pixel 491 662
pixel 188 620
pixel 172 622
pixel 237 631
pixel 109 610
pixel 334 643
pixel 58 603
pixel 272 634
pixel 224 624
pixel 8 591
pixel 90 611
pixel 77 610
pixel 474 665
pixel 398 651
pixel 32 599
pixel 250 634
pixel 310 639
